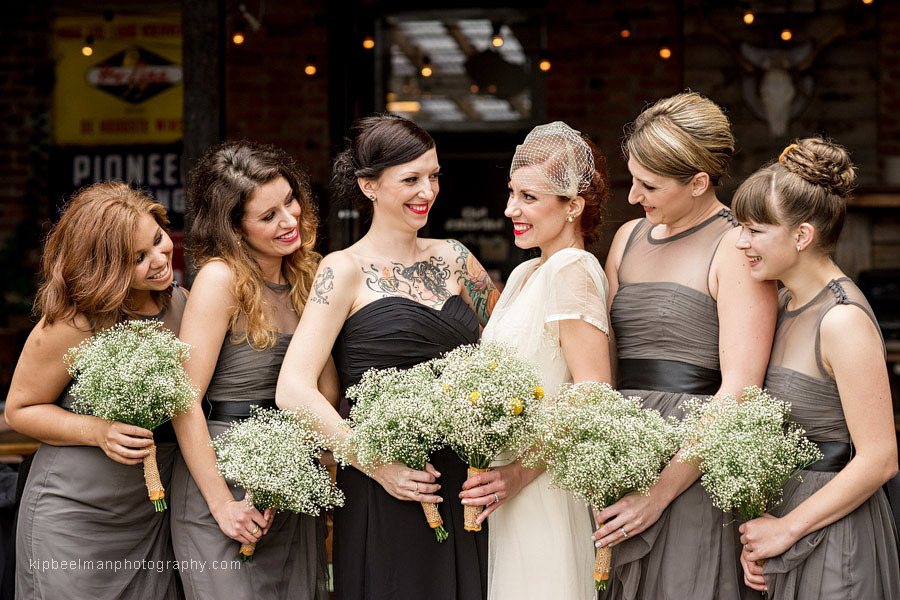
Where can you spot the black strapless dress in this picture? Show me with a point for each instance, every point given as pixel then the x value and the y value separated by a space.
pixel 383 547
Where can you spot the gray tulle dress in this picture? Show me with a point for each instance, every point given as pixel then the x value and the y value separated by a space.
pixel 289 561
pixel 854 558
pixel 86 528
pixel 667 335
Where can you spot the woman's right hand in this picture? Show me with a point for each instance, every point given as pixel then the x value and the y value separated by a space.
pixel 239 520
pixel 126 444
pixel 405 483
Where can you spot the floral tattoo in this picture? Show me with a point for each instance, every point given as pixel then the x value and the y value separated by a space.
pixel 423 281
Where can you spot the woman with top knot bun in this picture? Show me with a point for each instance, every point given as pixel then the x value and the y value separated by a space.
pixel 688 321
pixel 833 536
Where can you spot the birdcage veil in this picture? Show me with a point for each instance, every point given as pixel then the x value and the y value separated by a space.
pixel 562 162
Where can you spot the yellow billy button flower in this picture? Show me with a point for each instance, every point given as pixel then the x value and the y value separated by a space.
pixel 473 397
pixel 493 365
pixel 538 392
pixel 516 406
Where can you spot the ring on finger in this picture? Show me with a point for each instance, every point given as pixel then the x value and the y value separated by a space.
pixel 496 497
pixel 624 533
pixel 255 530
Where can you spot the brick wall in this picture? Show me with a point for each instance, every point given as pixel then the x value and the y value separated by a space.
pixel 600 81
pixel 269 97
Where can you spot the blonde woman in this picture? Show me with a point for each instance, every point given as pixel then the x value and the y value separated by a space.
pixel 833 536
pixel 688 320
pixel 84 509
pixel 253 238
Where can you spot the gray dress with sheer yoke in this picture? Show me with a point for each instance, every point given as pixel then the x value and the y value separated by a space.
pixel 289 561
pixel 856 556
pixel 86 528
pixel 667 335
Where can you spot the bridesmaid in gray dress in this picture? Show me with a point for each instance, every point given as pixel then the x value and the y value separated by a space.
pixel 833 537
pixel 688 320
pixel 253 238
pixel 87 528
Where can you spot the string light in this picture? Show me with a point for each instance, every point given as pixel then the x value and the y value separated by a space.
pixel 426 71
pixel 665 51
pixel 544 61
pixel 310 68
pixel 238 36
pixel 368 42
pixel 496 38
pixel 786 34
pixel 88 48
pixel 624 25
pixel 867 1
pixel 749 17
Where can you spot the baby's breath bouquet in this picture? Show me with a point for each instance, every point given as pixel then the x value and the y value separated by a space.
pixel 133 373
pixel 396 416
pixel 600 446
pixel 273 455
pixel 489 395
pixel 746 450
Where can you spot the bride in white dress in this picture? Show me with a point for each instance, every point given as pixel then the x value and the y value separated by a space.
pixel 553 310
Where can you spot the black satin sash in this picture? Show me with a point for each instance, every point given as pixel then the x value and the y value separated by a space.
pixel 836 455
pixel 667 376
pixel 233 411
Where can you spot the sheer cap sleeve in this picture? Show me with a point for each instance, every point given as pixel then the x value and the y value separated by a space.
pixel 578 289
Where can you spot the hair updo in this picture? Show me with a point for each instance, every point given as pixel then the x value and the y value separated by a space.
pixel 681 136
pixel 595 196
pixel 376 143
pixel 810 183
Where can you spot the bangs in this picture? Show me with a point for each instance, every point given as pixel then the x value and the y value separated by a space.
pixel 753 201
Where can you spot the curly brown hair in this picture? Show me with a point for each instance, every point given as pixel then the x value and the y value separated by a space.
pixel 223 182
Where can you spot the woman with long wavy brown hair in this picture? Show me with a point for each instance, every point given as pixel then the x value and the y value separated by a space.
pixel 84 508
pixel 253 236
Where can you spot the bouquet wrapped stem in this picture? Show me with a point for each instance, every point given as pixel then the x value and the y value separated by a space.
pixel 154 484
pixel 470 512
pixel 602 561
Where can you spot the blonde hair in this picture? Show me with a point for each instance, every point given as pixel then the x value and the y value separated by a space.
pixel 222 183
pixel 88 262
pixel 809 183
pixel 681 136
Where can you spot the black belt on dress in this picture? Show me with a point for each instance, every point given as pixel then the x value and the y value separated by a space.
pixel 836 455
pixel 667 376
pixel 233 410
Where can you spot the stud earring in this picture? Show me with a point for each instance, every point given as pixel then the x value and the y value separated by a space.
pixel 372 197
pixel 570 218
pixel 798 247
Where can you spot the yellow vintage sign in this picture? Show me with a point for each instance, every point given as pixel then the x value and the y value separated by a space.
pixel 126 89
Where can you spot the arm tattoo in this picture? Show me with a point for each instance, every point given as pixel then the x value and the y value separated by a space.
pixel 323 284
pixel 473 277
pixel 423 281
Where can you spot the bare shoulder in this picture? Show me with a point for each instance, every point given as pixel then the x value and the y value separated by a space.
pixel 52 340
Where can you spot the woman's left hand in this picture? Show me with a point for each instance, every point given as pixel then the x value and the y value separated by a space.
pixel 629 516
pixel 765 537
pixel 492 488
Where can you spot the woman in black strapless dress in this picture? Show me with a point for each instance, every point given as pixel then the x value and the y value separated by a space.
pixel 392 299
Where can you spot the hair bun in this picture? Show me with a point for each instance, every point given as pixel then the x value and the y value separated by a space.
pixel 822 162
